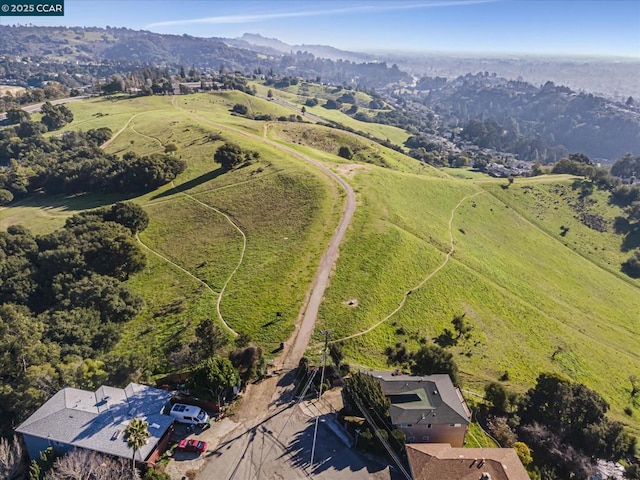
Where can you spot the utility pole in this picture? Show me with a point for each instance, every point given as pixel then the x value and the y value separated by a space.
pixel 324 363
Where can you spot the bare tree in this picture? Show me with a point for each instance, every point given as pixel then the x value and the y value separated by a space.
pixel 12 459
pixel 87 465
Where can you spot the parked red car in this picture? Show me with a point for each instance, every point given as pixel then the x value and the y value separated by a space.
pixel 192 445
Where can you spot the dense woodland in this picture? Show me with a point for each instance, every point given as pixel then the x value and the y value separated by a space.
pixel 534 122
pixel 62 304
pixel 74 163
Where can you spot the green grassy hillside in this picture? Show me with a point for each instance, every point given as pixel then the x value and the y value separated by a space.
pixel 297 96
pixel 284 207
pixel 537 301
pixel 540 286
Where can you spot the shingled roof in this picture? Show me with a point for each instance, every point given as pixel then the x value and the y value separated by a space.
pixel 423 399
pixel 440 460
pixel 97 420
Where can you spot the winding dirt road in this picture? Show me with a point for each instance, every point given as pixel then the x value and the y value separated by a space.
pixel 296 346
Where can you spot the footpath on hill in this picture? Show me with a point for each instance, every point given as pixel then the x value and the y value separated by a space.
pixel 268 400
pixel 263 394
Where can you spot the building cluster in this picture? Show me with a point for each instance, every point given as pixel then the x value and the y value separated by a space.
pixel 429 410
pixel 435 419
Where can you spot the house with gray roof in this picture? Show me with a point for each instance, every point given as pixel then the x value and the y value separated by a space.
pixel 96 421
pixel 428 409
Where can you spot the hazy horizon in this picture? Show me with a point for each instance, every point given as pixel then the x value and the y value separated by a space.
pixel 582 28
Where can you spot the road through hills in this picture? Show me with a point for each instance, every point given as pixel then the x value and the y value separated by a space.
pixel 296 346
pixel 265 400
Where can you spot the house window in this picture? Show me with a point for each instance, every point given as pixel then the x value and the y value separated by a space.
pixel 405 425
pixel 411 439
pixel 428 425
pixel 425 438
pixel 456 425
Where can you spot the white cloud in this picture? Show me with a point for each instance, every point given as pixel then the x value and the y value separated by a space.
pixel 263 17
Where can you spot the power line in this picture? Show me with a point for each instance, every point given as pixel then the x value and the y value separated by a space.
pixel 324 364
pixel 277 437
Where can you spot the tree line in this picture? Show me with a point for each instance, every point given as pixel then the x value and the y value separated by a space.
pixel 74 163
pixel 558 427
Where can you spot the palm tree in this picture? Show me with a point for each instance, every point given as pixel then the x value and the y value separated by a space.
pixel 137 434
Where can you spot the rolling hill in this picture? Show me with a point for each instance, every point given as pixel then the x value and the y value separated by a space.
pixel 430 243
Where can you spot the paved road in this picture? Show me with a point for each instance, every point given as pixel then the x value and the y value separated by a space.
pixel 37 106
pixel 278 446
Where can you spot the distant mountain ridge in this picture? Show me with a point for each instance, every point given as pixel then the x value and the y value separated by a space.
pixel 321 51
pixel 123 46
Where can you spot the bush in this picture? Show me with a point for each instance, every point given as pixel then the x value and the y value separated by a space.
pixel 632 266
pixel 365 440
pixel 170 148
pixel 332 104
pixel 156 474
pixel 497 396
pixel 345 152
pixel 524 453
pixel 240 109
pixel 5 196
pixel 399 436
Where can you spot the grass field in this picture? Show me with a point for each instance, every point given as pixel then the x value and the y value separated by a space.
pixel 537 301
pixel 542 290
pixel 286 209
pixel 295 95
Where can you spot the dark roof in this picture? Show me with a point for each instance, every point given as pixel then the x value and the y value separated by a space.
pixel 423 399
pixel 440 460
pixel 97 420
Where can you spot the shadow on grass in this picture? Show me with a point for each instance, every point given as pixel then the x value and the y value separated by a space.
pixel 191 183
pixel 72 203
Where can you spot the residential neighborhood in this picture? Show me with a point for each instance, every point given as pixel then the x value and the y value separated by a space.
pixel 429 410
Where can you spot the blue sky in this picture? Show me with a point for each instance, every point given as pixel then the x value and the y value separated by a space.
pixel 579 27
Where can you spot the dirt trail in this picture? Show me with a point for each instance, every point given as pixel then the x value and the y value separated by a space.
pixel 204 284
pixel 155 139
pixel 242 253
pixel 296 346
pixel 108 142
pixel 425 280
pixel 271 392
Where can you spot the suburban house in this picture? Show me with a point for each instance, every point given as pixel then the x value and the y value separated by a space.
pixel 426 409
pixel 439 460
pixel 96 421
